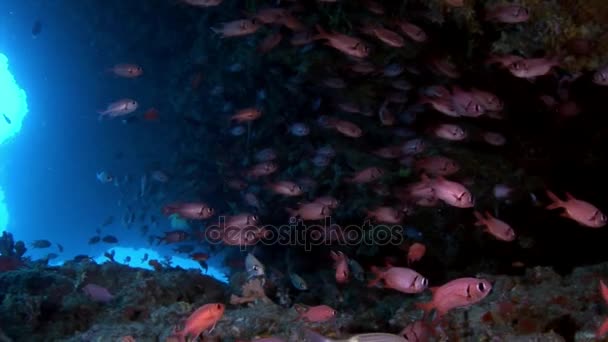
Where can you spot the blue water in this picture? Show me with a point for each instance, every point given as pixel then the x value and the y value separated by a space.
pixel 47 171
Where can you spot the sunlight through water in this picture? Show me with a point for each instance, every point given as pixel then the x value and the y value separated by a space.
pixel 13 108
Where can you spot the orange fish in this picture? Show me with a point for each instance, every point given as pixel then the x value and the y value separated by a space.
pixel 205 317
pixel 415 252
pixel 580 211
pixel 127 70
pixel 247 114
pixel 494 226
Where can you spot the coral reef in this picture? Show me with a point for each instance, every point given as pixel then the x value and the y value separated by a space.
pixel 42 304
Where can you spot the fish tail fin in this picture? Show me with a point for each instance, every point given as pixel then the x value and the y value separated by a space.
pixel 557 203
pixel 322 33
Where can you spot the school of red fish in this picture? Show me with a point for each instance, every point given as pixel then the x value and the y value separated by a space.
pixel 434 187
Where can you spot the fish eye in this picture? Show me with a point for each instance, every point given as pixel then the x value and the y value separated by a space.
pixel 425 282
pixel 255 267
pixel 219 306
pixel 478 108
pixel 334 312
pixel 481 287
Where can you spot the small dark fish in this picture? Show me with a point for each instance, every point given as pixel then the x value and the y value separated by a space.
pixel 7 119
pixel 94 240
pixel 109 239
pixel 145 257
pixel 36 28
pixel 60 248
pixel 82 257
pixel 41 244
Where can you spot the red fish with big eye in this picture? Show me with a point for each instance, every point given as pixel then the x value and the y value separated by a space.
pixel 457 293
pixel 315 314
pixel 580 211
pixel 237 28
pixel 499 229
pixel 399 278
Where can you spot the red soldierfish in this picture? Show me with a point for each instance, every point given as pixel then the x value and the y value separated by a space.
pixel 533 67
pixel 452 193
pixel 310 211
pixel 315 314
pixel 237 28
pixel 437 166
pixel 388 215
pixel 450 132
pixel 127 70
pixel 349 45
pixel 286 188
pixel 341 265
pixel 400 278
pixel 494 226
pixel 200 320
pixel 192 211
pixel 580 211
pixel 367 175
pixel 247 114
pixel 507 13
pixel 457 293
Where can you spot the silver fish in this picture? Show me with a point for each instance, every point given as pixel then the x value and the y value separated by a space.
pixel 254 267
pixel 298 282
pixel 312 336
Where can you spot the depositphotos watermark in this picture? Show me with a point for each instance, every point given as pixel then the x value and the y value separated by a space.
pixel 299 233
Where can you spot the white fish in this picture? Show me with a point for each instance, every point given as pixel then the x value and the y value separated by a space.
pixel 254 267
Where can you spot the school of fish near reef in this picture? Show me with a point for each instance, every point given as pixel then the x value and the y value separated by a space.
pixel 363 170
